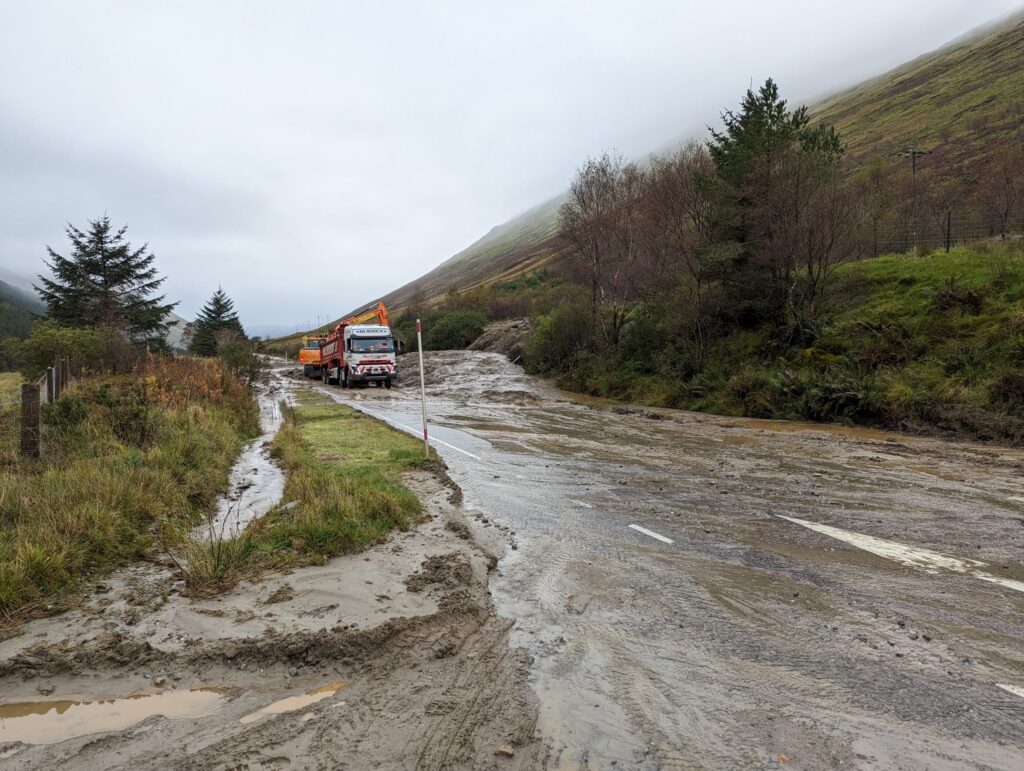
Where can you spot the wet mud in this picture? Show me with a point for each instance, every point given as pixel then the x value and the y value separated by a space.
pixel 830 596
pixel 343 665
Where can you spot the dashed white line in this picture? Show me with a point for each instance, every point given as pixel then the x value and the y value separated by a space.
pixel 651 533
pixel 584 504
pixel 912 556
pixel 1016 690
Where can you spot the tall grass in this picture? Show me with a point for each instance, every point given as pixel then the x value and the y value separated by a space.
pixel 128 460
pixel 343 494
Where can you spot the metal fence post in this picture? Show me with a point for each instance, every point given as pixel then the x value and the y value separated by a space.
pixel 30 419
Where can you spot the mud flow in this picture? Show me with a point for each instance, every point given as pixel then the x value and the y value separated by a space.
pixel 256 482
pixel 393 657
pixel 794 594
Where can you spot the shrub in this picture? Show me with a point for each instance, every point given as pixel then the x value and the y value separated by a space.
pixel 953 295
pixel 558 337
pixel 454 330
pixel 1007 391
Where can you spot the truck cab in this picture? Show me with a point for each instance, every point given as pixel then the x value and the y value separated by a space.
pixel 369 356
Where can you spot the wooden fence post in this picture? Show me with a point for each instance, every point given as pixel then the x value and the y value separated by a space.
pixel 51 385
pixel 66 366
pixel 30 420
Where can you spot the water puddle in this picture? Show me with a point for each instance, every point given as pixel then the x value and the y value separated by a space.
pixel 49 722
pixel 292 703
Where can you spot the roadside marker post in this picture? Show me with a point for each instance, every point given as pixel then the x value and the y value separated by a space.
pixel 423 390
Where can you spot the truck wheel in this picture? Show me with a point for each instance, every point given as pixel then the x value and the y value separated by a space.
pixel 344 379
pixel 323 374
pixel 387 383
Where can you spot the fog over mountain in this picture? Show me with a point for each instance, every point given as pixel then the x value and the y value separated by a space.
pixel 313 156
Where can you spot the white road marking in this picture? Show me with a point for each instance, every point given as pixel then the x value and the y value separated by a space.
pixel 581 503
pixel 414 431
pixel 1016 690
pixel 912 556
pixel 651 533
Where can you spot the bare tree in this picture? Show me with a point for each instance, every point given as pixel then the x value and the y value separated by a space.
pixel 603 219
pixel 1001 188
pixel 678 233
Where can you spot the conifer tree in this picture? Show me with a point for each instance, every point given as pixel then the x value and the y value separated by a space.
pixel 106 283
pixel 216 320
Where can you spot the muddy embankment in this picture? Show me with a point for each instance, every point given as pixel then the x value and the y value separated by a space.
pixel 392 658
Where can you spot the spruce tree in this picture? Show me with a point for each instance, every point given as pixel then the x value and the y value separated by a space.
pixel 106 283
pixel 216 319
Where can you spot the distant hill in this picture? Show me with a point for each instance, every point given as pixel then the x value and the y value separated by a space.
pixel 18 309
pixel 962 102
pixel 176 331
pixel 22 298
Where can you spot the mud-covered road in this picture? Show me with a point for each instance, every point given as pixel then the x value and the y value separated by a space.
pixel 697 591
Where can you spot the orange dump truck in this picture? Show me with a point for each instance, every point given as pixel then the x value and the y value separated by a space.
pixel 309 354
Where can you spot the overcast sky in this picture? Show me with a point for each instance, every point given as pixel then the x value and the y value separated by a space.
pixel 311 156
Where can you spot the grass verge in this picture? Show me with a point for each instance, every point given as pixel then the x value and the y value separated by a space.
pixel 128 461
pixel 343 494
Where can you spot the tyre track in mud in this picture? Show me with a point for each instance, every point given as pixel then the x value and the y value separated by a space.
pixel 750 638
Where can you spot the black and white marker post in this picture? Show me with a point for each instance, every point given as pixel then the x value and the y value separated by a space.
pixel 423 391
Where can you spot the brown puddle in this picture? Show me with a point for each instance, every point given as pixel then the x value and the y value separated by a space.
pixel 292 703
pixel 49 722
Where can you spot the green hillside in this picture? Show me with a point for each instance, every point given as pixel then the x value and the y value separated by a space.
pixel 962 103
pixel 17 309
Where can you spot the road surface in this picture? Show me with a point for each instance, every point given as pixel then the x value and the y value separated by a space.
pixel 698 591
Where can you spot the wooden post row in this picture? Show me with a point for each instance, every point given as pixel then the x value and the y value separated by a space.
pixel 30 418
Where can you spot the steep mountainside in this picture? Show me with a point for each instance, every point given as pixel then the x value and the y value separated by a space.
pixel 962 102
pixel 525 243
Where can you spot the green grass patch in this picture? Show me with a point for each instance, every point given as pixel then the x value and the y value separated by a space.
pixel 343 494
pixel 128 462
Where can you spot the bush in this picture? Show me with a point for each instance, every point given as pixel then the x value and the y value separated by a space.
pixel 1007 391
pixel 454 330
pixel 953 295
pixel 558 338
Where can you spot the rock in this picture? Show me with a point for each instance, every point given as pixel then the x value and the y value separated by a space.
pixel 45 689
pixel 160 681
pixel 505 751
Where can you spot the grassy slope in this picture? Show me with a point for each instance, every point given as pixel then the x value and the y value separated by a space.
pixel 935 341
pixel 344 473
pixel 125 459
pixel 962 102
pixel 979 80
pixel 971 92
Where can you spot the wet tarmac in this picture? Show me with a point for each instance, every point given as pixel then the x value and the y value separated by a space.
pixel 699 591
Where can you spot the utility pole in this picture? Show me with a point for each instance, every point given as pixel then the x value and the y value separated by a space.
pixel 912 153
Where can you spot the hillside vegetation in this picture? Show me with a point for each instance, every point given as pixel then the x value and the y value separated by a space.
pixel 129 461
pixel 932 342
pixel 962 104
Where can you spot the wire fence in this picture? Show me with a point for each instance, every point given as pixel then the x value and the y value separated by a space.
pixel 21 419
